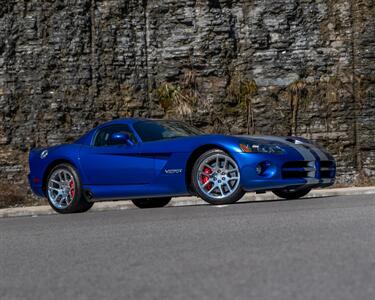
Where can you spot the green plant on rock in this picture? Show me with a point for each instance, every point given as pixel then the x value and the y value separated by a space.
pixel 297 93
pixel 243 91
pixel 127 92
pixel 180 97
pixel 189 88
pixel 332 88
pixel 166 94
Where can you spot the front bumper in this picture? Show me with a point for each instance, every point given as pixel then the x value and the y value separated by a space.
pixel 286 171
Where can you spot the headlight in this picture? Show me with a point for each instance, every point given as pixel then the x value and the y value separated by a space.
pixel 260 148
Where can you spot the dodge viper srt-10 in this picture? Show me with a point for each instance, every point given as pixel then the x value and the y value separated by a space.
pixel 150 161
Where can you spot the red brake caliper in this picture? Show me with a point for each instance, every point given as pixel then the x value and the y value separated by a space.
pixel 205 178
pixel 72 191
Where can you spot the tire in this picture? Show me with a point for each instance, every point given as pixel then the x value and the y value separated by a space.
pixel 64 180
pixel 291 194
pixel 151 202
pixel 216 178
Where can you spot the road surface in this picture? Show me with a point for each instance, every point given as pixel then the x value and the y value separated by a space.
pixel 320 248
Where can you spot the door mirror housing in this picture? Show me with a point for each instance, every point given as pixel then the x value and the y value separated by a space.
pixel 121 138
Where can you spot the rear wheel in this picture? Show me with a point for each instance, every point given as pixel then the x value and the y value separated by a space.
pixel 64 191
pixel 291 194
pixel 151 202
pixel 216 178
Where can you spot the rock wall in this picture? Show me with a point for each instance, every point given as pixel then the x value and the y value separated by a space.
pixel 67 65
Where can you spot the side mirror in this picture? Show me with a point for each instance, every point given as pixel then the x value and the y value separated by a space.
pixel 120 138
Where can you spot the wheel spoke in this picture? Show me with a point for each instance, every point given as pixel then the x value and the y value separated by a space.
pixel 55 181
pixel 68 177
pixel 203 174
pixel 212 189
pixel 206 183
pixel 229 188
pixel 57 198
pixel 63 199
pixel 207 166
pixel 221 190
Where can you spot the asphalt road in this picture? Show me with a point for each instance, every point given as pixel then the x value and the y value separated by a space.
pixel 321 248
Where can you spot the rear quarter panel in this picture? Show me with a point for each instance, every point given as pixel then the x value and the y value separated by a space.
pixel 40 167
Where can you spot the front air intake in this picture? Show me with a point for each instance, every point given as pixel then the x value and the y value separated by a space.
pixel 327 169
pixel 298 169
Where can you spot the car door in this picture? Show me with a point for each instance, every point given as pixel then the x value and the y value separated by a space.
pixel 106 164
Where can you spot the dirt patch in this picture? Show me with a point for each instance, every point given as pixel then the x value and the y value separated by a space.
pixel 13 196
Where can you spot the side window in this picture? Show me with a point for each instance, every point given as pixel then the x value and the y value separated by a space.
pixel 102 138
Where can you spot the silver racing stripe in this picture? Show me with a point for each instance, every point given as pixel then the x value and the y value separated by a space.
pixel 301 149
pixel 320 153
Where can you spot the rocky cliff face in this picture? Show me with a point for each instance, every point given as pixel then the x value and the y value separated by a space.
pixel 303 67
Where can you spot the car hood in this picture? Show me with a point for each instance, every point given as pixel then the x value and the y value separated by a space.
pixel 282 140
pixel 299 144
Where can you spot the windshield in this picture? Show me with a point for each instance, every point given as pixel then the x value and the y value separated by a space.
pixel 161 130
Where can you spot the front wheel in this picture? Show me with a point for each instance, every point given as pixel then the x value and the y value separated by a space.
pixel 64 192
pixel 291 194
pixel 216 178
pixel 151 202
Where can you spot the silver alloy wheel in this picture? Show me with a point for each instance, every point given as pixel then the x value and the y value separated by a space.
pixel 218 176
pixel 61 188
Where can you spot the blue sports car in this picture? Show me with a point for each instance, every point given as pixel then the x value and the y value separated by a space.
pixel 150 161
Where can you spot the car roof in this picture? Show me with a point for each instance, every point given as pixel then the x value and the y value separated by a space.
pixel 86 138
pixel 123 121
pixel 132 121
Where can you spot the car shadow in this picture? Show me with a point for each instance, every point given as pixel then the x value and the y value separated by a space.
pixel 284 200
pixel 254 201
